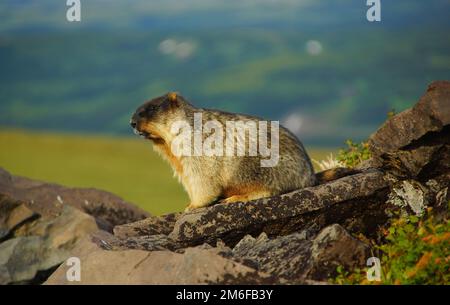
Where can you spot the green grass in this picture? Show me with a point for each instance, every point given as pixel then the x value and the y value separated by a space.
pixel 125 166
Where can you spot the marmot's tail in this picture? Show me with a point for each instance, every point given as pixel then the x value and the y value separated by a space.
pixel 334 173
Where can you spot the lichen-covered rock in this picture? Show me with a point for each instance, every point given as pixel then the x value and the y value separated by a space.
pixel 150 226
pixel 410 193
pixel 147 243
pixel 231 221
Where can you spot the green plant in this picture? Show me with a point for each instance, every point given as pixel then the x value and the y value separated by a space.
pixel 354 153
pixel 391 113
pixel 416 251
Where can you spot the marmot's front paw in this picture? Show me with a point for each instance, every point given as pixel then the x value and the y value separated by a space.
pixel 189 208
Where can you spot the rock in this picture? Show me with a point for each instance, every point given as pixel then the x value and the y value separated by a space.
pixel 280 214
pixel 149 226
pixel 430 114
pixel 42 244
pixel 47 199
pixel 334 247
pixel 148 243
pixel 41 223
pixel 298 258
pixel 416 142
pixel 21 258
pixel 13 214
pixel 410 193
pixel 194 266
pixel 439 194
pixel 63 230
pixel 284 257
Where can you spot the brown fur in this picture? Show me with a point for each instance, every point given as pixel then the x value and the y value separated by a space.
pixel 334 174
pixel 242 190
pixel 170 157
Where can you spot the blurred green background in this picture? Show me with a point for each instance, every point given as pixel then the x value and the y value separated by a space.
pixel 67 90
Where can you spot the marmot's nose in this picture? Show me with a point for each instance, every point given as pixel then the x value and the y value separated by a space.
pixel 133 123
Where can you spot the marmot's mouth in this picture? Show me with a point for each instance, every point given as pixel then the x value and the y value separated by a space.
pixel 145 134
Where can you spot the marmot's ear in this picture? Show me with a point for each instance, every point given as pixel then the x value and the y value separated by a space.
pixel 173 97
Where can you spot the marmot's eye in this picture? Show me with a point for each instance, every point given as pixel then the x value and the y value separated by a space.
pixel 151 108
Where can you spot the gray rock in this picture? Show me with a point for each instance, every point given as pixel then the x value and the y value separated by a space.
pixel 410 193
pixel 21 258
pixel 42 244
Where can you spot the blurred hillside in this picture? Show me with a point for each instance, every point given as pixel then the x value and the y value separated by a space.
pixel 318 66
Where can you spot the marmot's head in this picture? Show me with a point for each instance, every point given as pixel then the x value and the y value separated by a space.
pixel 153 119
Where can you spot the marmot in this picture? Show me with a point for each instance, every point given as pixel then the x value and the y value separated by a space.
pixel 225 178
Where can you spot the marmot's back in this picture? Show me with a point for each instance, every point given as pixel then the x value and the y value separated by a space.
pixel 293 169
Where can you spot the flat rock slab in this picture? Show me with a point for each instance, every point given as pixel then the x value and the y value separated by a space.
pixel 193 266
pixel 150 226
pixel 212 223
pixel 147 243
